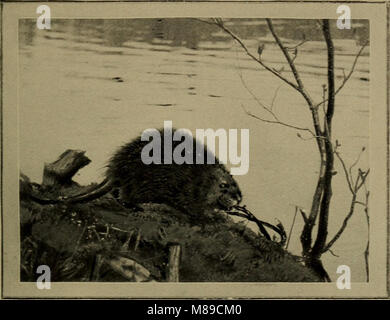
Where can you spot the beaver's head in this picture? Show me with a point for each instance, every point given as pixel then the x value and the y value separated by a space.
pixel 224 191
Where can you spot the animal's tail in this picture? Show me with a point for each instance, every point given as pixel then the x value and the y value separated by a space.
pixel 100 190
pixel 44 201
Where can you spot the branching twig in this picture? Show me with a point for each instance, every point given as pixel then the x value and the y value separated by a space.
pixel 300 87
pixel 355 163
pixel 298 45
pixel 274 97
pixel 220 24
pixel 347 175
pixel 346 77
pixel 360 181
pixel 243 212
pixel 277 121
pixel 259 223
pixel 268 109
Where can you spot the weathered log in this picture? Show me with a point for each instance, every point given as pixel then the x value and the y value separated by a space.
pixel 61 171
pixel 174 263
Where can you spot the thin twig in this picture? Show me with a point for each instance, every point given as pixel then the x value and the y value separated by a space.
pixel 367 251
pixel 363 176
pixel 259 223
pixel 346 77
pixel 347 176
pixel 304 215
pixel 245 213
pixel 356 162
pixel 274 97
pixel 357 186
pixel 298 45
pixel 268 109
pixel 300 87
pixel 278 122
pixel 220 24
pixel 292 226
pixel 333 254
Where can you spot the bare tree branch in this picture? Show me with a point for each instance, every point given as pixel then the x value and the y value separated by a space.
pixel 245 213
pixel 323 193
pixel 367 251
pixel 356 188
pixel 220 24
pixel 347 77
pixel 355 163
pixel 259 223
pixel 298 45
pixel 300 86
pixel 274 97
pixel 333 254
pixel 277 121
pixel 347 175
pixel 304 216
pixel 268 109
pixel 326 152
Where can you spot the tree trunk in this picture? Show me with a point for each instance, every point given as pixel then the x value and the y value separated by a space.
pixel 318 268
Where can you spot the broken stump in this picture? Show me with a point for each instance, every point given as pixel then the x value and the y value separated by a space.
pixel 174 263
pixel 61 171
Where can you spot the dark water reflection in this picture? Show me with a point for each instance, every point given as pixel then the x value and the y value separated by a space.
pixel 185 32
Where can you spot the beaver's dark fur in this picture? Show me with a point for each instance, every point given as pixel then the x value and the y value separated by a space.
pixel 192 188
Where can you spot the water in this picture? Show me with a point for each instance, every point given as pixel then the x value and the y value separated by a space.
pixel 193 74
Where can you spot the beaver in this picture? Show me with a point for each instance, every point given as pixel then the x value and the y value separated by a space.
pixel 191 188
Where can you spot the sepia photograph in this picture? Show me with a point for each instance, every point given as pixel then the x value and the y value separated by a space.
pixel 169 151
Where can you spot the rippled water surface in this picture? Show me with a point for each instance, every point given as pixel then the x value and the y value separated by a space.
pixel 193 74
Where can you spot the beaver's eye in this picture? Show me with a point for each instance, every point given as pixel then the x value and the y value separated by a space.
pixel 223 185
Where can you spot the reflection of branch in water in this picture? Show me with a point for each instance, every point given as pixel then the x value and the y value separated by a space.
pixel 243 212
